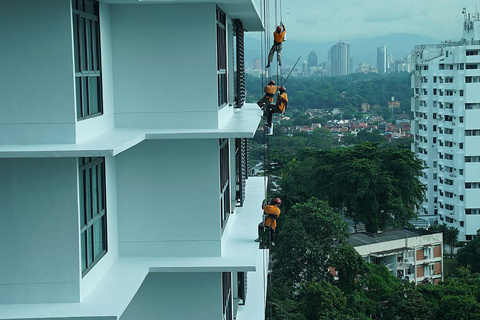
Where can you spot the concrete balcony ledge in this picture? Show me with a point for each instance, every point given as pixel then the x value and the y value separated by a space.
pixel 112 295
pixel 242 124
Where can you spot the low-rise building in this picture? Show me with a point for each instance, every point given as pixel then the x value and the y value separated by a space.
pixel 411 254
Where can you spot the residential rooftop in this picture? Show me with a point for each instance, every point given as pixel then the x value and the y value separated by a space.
pixel 366 238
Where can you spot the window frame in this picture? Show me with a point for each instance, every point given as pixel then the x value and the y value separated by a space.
pixel 224 186
pixel 87 58
pixel 222 74
pixel 91 214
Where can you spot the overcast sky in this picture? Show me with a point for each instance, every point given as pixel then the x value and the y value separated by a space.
pixel 334 20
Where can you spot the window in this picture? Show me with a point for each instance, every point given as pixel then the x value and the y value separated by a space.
pixel 471 52
pixel 472 185
pixel 472 132
pixel 224 182
pixel 227 296
pixel 93 223
pixel 472 106
pixel 472 158
pixel 88 79
pixel 472 211
pixel 221 58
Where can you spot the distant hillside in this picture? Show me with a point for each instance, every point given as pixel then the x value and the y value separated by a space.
pixel 362 50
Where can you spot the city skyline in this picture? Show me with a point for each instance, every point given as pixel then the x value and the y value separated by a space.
pixel 311 21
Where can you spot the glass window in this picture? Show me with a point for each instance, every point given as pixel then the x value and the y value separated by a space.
pixel 93 223
pixel 221 58
pixel 86 38
pixel 225 197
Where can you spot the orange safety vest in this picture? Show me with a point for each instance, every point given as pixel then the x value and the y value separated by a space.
pixel 270 91
pixel 282 102
pixel 278 36
pixel 272 214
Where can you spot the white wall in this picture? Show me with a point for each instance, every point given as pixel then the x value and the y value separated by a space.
pixel 164 62
pixel 39 232
pixel 168 198
pixel 36 78
pixel 185 296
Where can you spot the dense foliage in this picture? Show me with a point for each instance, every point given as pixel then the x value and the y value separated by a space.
pixel 376 185
pixel 347 93
pixel 312 238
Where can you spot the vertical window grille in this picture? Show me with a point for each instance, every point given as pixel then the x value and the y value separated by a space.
pixel 221 58
pixel 241 169
pixel 93 218
pixel 224 182
pixel 240 64
pixel 86 39
pixel 227 296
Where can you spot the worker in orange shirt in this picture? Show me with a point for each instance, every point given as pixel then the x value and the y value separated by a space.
pixel 271 213
pixel 270 90
pixel 278 38
pixel 279 107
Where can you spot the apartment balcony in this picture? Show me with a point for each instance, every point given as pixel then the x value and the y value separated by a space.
pixel 405 264
pixel 243 123
pixel 113 294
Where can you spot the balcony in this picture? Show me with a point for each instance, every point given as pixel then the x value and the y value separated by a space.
pixel 242 124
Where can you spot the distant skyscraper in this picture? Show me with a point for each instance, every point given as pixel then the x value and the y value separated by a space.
pixel 382 59
pixel 312 60
pixel 340 59
pixel 305 69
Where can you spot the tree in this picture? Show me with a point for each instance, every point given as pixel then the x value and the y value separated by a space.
pixel 306 239
pixel 349 265
pixel 373 136
pixel 450 234
pixel 377 186
pixel 409 304
pixel 321 139
pixel 470 254
pixel 321 299
pixel 378 286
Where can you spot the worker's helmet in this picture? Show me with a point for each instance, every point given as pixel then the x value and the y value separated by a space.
pixel 282 89
pixel 271 82
pixel 279 29
pixel 277 200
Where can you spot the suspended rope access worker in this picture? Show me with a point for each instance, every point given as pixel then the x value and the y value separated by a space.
pixel 270 90
pixel 278 38
pixel 270 212
pixel 279 107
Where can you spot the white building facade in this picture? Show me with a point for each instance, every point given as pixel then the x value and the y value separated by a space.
pixel 123 161
pixel 446 105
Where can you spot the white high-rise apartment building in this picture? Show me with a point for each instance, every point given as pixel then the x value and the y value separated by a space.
pixel 446 104
pixel 123 159
pixel 339 56
pixel 382 59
